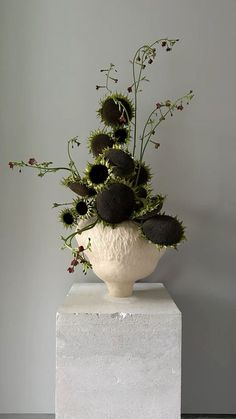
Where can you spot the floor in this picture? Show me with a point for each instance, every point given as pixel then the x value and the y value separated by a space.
pixel 46 416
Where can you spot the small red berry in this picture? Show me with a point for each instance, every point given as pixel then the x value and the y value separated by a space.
pixel 32 161
pixel 81 248
pixel 74 262
pixel 122 119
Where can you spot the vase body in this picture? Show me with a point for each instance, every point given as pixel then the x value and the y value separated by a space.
pixel 119 255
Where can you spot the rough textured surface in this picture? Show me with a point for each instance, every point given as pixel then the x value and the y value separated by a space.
pixel 118 358
pixel 119 255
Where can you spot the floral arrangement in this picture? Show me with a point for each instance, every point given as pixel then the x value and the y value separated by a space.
pixel 116 185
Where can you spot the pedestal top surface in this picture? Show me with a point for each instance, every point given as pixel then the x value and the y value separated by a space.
pixel 92 298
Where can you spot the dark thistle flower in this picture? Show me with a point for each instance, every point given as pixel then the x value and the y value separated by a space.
pixel 163 230
pixel 70 270
pixel 67 218
pixel 158 105
pixel 180 107
pixel 129 89
pixel 115 107
pixel 11 165
pixel 115 203
pixel 168 49
pixel 80 188
pixel 143 174
pixel 141 192
pixel 150 61
pixel 98 173
pixel 163 44
pixel 81 249
pixel 81 208
pixel 158 204
pixel 121 135
pixel 122 162
pixel 32 161
pixel 99 140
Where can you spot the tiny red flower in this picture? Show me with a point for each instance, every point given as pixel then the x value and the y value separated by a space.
pixel 74 262
pixel 129 89
pixel 163 44
pixel 32 161
pixel 158 105
pixel 81 248
pixel 180 107
pixel 70 270
pixel 122 119
pixel 11 165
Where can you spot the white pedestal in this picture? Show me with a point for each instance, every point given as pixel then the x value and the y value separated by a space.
pixel 118 358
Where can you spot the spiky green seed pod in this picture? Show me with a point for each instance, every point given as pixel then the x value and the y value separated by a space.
pixel 142 174
pixel 121 135
pixel 122 163
pixel 78 186
pixel 163 230
pixel 81 189
pixel 116 109
pixel 115 203
pixel 153 208
pixel 98 173
pixel 98 141
pixel 81 207
pixel 68 218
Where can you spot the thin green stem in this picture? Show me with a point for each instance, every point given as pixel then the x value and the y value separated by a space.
pixel 88 227
pixel 162 118
pixel 72 163
pixel 40 167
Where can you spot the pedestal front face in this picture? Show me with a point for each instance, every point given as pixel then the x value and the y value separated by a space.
pixel 118 358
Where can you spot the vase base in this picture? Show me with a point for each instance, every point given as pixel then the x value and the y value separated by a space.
pixel 120 289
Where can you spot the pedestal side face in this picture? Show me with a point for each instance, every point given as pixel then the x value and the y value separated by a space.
pixel 118 365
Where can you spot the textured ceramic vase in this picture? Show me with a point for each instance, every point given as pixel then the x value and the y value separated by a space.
pixel 119 255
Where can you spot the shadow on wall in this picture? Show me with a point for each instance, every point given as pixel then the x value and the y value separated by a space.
pixel 201 279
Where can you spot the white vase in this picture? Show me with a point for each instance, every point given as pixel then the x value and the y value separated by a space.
pixel 119 255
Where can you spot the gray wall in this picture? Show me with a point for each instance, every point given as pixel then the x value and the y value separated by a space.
pixel 51 53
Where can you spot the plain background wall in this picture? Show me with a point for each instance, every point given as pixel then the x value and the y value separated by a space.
pixel 51 52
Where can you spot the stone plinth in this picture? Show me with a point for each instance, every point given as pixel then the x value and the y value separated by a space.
pixel 118 358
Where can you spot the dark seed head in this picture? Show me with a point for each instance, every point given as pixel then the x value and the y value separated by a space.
pixel 100 141
pixel 122 162
pixel 121 134
pixel 81 208
pixel 98 174
pixel 116 203
pixel 68 218
pixel 81 189
pixel 163 230
pixel 111 113
pixel 142 174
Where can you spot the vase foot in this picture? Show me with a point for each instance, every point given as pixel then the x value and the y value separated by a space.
pixel 120 289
